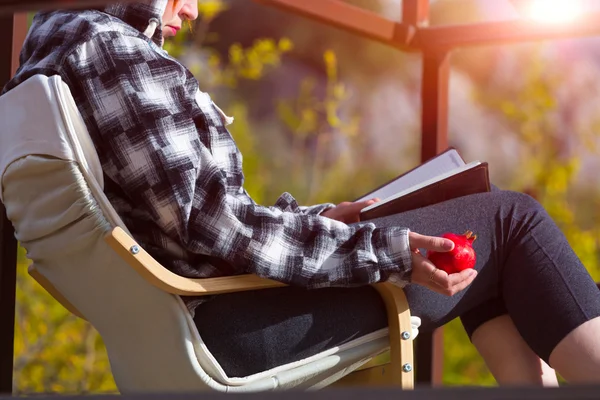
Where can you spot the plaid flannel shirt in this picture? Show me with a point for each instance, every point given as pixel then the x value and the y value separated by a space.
pixel 173 171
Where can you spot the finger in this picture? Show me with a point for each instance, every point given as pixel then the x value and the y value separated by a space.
pixel 434 288
pixel 439 278
pixel 366 203
pixel 434 243
pixel 422 269
pixel 355 207
pixel 465 283
pixel 460 278
pixel 453 283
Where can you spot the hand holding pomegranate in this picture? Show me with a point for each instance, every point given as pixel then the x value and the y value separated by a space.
pixel 461 257
pixel 425 273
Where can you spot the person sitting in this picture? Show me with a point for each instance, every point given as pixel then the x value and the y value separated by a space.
pixel 174 174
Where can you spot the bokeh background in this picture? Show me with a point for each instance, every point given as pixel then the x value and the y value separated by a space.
pixel 328 116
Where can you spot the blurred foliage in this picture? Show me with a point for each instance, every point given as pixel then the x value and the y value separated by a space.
pixel 320 156
pixel 247 63
pixel 316 125
pixel 551 158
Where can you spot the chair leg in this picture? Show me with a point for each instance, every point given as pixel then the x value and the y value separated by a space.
pixel 401 369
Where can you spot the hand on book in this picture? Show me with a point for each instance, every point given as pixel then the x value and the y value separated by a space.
pixel 426 274
pixel 348 212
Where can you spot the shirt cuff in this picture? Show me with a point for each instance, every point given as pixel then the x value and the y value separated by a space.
pixel 397 280
pixel 398 262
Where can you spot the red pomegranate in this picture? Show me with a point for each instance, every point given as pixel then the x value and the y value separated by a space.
pixel 458 259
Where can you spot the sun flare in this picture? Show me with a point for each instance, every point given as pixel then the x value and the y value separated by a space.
pixel 554 11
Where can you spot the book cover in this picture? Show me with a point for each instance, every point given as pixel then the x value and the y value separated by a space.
pixel 442 178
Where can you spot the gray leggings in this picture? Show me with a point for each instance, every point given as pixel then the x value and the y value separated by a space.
pixel 526 270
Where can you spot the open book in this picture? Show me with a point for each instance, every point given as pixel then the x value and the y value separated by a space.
pixel 442 178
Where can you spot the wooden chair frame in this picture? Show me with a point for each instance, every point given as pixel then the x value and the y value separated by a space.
pixel 399 371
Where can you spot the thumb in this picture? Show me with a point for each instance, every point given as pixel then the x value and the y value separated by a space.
pixel 432 243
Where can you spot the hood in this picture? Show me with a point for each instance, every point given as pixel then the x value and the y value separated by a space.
pixel 144 16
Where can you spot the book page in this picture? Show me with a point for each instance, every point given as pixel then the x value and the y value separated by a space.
pixel 422 185
pixel 441 164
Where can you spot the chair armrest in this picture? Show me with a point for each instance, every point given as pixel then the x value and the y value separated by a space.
pixel 162 278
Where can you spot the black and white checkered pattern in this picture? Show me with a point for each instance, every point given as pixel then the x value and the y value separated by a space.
pixel 173 171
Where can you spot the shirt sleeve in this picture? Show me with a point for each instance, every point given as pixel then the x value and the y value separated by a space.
pixel 159 146
pixel 287 202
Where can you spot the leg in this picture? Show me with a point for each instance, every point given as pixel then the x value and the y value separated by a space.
pixel 251 332
pixel 577 356
pixel 508 357
pixel 524 260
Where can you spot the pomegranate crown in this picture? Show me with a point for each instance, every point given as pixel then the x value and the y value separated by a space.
pixel 470 236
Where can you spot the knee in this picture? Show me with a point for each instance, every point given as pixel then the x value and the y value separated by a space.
pixel 521 204
pixel 520 199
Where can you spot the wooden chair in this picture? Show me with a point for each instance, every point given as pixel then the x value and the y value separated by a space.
pixel 82 254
